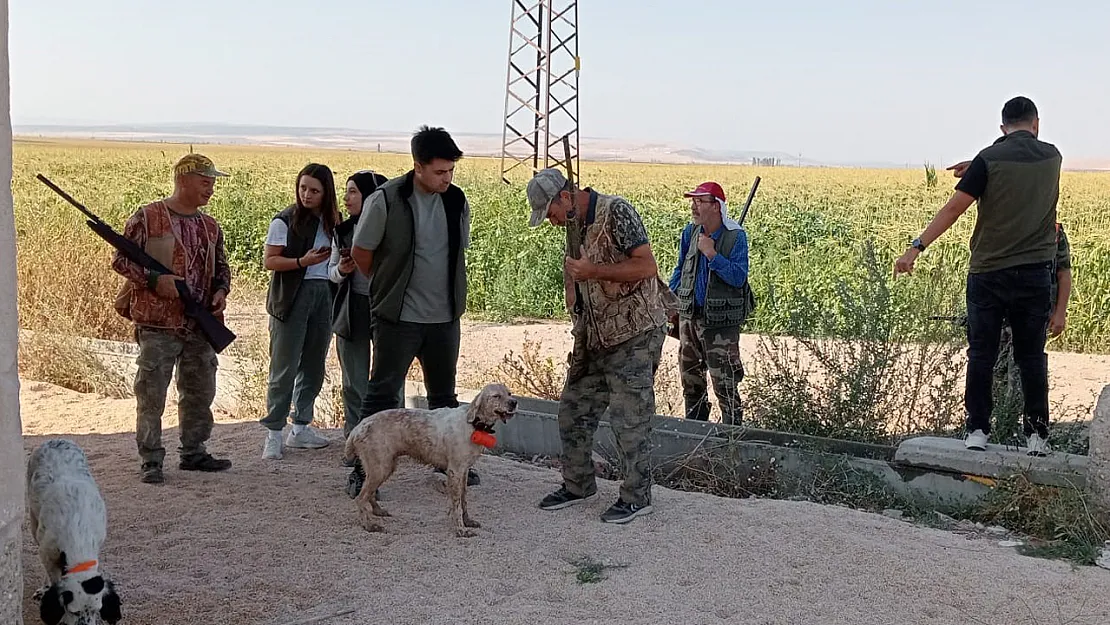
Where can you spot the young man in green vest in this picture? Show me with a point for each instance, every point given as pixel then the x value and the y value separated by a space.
pixel 411 240
pixel 619 306
pixel 711 283
pixel 1016 182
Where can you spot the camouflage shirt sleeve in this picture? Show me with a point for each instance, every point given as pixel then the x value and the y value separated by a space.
pixel 135 230
pixel 1063 251
pixel 627 229
pixel 222 279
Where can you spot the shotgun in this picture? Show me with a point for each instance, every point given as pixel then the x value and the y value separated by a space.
pixel 216 333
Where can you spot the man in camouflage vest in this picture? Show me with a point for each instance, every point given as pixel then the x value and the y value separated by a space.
pixel 178 234
pixel 619 308
pixel 711 283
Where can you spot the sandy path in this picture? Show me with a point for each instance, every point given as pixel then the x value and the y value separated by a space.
pixel 276 543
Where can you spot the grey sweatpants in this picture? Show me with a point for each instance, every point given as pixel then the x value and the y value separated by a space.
pixel 354 361
pixel 298 349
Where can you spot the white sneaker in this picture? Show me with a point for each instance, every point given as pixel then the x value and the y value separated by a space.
pixel 976 440
pixel 1037 446
pixel 306 439
pixel 271 450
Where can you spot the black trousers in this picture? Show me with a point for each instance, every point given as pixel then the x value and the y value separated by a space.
pixel 1021 295
pixel 435 345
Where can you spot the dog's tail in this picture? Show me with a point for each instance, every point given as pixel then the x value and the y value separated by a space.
pixel 349 452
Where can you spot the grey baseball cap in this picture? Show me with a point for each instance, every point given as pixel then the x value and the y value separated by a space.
pixel 542 188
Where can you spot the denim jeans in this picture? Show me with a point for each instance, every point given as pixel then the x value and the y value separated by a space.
pixel 298 349
pixel 1021 295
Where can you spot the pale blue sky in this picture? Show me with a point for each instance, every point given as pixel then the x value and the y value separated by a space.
pixel 836 81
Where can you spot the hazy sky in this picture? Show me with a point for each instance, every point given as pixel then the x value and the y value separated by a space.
pixel 874 80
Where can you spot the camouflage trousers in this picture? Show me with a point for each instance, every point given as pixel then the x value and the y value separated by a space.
pixel 159 352
pixel 718 351
pixel 622 380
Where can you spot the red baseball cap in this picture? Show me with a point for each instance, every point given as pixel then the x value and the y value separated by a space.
pixel 707 188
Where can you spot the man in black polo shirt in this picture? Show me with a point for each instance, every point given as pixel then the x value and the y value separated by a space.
pixel 1016 182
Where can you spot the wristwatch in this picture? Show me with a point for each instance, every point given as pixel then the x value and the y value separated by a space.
pixel 916 243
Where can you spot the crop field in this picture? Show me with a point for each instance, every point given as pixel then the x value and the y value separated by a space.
pixel 823 240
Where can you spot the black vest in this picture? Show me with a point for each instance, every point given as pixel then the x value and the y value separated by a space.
pixel 393 259
pixel 725 305
pixel 285 284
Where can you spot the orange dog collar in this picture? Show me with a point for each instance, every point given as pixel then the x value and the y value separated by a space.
pixel 81 567
pixel 485 439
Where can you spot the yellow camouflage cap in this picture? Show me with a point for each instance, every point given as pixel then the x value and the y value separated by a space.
pixel 196 164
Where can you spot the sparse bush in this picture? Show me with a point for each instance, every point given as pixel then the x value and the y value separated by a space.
pixel 871 382
pixel 530 374
pixel 1061 518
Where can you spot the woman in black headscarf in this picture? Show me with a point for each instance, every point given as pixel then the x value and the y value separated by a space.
pixel 351 320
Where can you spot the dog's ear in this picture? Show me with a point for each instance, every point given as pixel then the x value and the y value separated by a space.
pixel 110 606
pixel 52 608
pixel 479 403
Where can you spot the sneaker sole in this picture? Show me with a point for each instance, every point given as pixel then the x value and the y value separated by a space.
pixel 622 520
pixel 567 504
pixel 306 445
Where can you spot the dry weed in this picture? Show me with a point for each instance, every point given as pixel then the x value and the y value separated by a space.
pixel 63 360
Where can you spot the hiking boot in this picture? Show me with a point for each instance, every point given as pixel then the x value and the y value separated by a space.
pixel 152 473
pixel 976 440
pixel 306 439
pixel 623 512
pixel 472 478
pixel 204 462
pixel 562 498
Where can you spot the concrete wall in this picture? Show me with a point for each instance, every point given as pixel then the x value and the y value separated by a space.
pixel 11 436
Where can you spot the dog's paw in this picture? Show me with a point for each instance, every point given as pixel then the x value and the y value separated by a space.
pixel 40 593
pixel 380 511
pixel 372 527
pixel 471 523
pixel 463 532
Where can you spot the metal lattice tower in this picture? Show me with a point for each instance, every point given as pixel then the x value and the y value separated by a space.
pixel 541 90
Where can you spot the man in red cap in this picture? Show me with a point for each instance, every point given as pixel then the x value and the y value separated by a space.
pixel 710 281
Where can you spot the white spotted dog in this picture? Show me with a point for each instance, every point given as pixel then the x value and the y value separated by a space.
pixel 69 523
pixel 450 439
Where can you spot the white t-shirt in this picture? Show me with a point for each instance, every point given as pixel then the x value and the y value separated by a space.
pixel 278 234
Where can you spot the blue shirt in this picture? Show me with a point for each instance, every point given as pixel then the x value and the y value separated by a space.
pixel 732 269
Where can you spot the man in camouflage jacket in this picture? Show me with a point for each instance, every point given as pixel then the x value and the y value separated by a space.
pixel 619 307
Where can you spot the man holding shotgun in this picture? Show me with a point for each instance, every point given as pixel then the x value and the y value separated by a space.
pixel 711 283
pixel 176 233
pixel 619 306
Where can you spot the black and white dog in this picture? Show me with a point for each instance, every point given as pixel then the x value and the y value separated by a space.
pixel 69 523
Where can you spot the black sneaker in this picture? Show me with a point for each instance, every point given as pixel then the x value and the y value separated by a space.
pixel 152 473
pixel 204 462
pixel 472 478
pixel 355 480
pixel 623 512
pixel 561 499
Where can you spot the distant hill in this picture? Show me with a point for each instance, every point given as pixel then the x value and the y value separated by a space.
pixel 475 144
